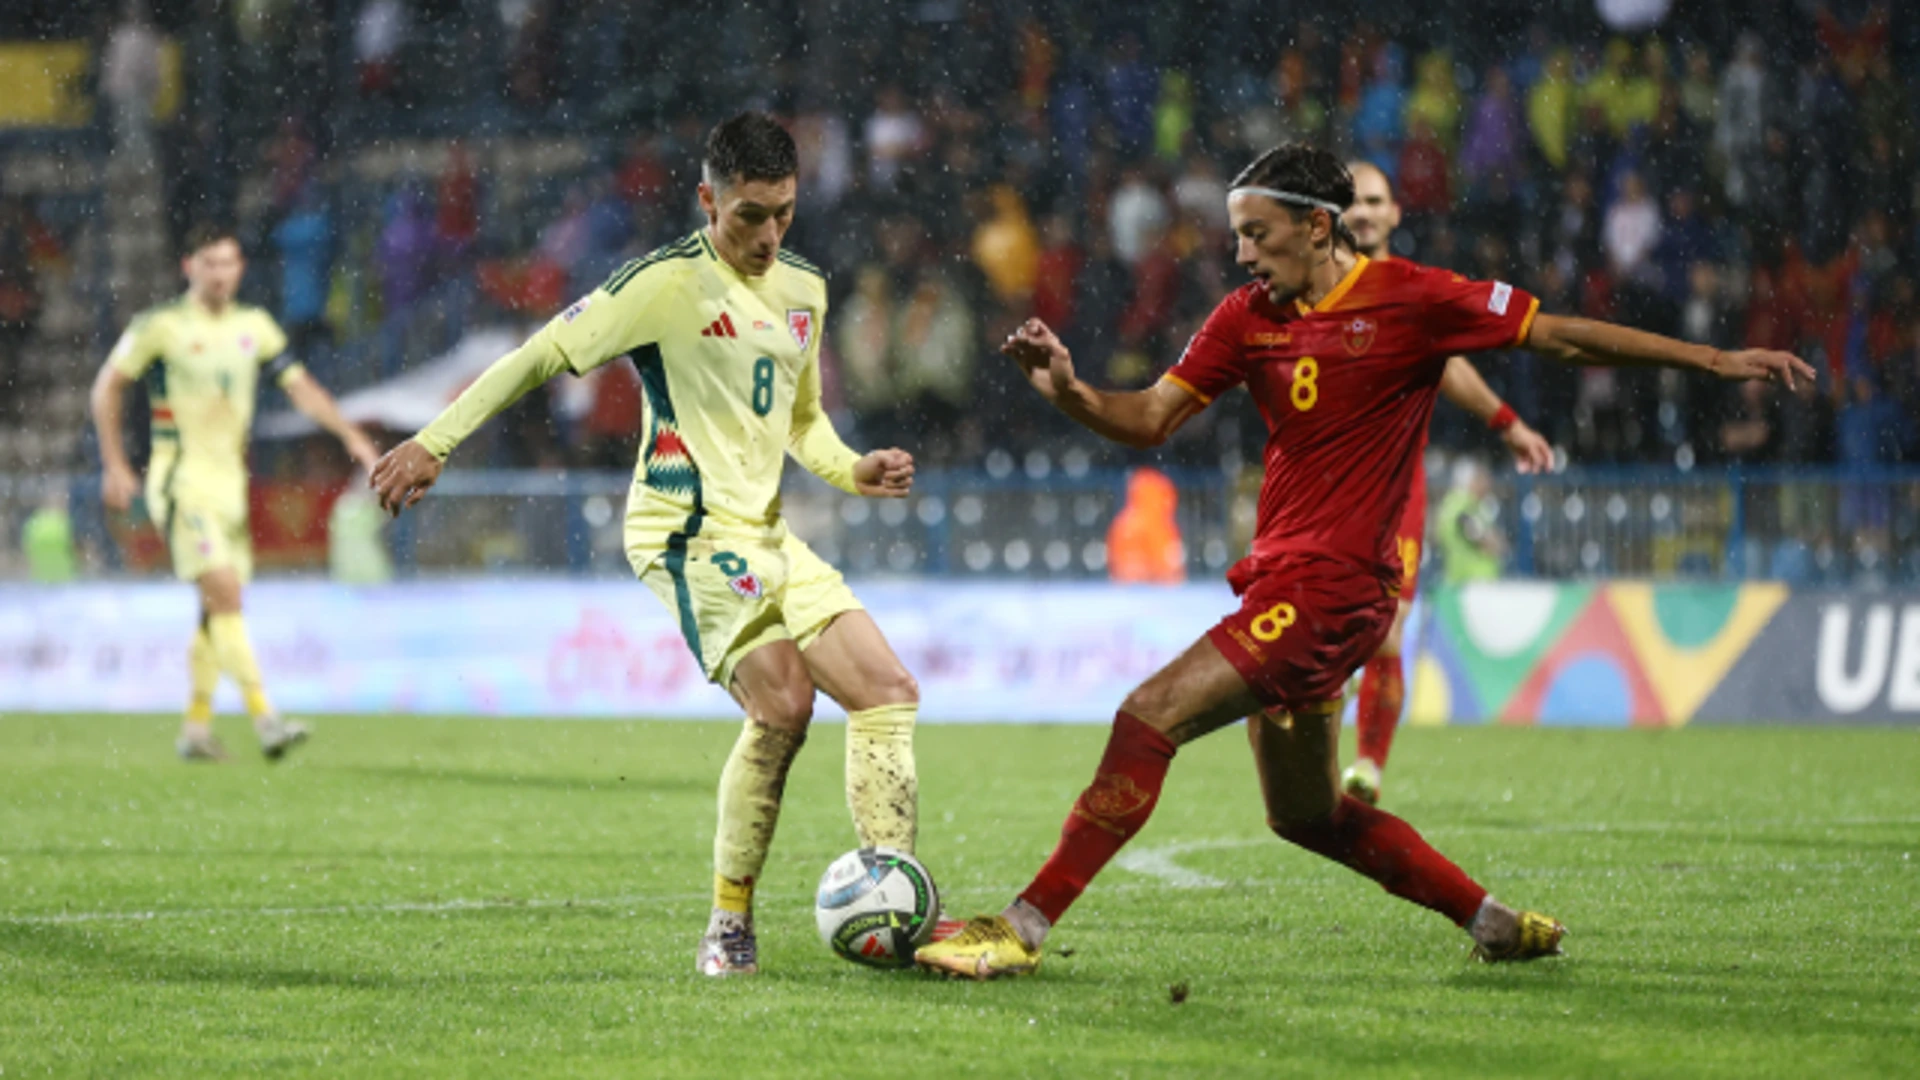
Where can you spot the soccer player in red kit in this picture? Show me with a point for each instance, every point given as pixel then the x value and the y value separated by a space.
pixel 1343 356
pixel 1372 218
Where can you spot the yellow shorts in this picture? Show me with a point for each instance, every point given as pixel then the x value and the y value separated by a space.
pixel 735 592
pixel 202 539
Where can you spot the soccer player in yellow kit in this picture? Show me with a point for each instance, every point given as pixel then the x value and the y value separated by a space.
pixel 202 356
pixel 725 328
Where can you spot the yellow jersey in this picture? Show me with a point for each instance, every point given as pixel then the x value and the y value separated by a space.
pixel 201 371
pixel 730 373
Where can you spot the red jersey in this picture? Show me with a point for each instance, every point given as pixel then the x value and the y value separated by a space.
pixel 1347 389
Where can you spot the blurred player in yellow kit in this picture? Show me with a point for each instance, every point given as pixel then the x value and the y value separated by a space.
pixel 725 328
pixel 202 356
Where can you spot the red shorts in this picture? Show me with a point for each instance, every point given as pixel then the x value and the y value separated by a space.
pixel 1303 626
pixel 1412 532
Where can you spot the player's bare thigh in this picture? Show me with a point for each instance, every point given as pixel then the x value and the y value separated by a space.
pixel 1298 759
pixel 772 685
pixel 853 663
pixel 1390 647
pixel 219 591
pixel 1197 693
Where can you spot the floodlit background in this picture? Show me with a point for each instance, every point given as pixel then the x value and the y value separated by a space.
pixel 420 182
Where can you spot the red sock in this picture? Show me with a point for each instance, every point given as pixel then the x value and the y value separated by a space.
pixel 1107 814
pixel 1388 850
pixel 1381 692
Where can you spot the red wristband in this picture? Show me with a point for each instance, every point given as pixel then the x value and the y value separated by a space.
pixel 1503 418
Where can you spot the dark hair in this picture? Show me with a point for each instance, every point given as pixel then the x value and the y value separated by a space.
pixel 750 146
pixel 205 234
pixel 1303 170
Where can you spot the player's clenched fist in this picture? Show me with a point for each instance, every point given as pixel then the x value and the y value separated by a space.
pixel 884 474
pixel 403 476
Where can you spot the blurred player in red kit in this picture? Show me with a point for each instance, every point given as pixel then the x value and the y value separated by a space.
pixel 1372 218
pixel 1343 356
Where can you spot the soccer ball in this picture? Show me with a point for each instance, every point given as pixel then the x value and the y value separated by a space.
pixel 875 906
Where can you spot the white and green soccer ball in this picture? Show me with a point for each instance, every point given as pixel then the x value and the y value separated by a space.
pixel 876 906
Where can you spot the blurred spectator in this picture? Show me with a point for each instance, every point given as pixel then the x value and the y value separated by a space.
pixel 1631 231
pixel 1492 145
pixel 356 553
pixel 1550 109
pixel 1006 248
pixel 304 241
pixel 1685 240
pixel 1435 100
pixel 826 162
pixel 47 540
pixel 906 343
pixel 1378 123
pixel 1131 86
pixel 1625 94
pixel 1058 278
pixel 1470 542
pixel 19 300
pixel 1741 126
pixel 130 76
pixel 1143 543
pixel 1137 216
pixel 1698 94
pixel 379 33
pixel 895 136
pixel 1173 116
pixel 1747 433
pixel 456 217
pixel 1200 195
pixel 407 256
pixel 1424 186
pixel 293 156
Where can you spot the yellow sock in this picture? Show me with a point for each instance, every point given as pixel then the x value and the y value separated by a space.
pixel 750 788
pixel 203 677
pixel 731 895
pixel 883 790
pixel 235 655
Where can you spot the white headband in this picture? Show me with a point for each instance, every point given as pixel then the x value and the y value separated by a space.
pixel 1293 197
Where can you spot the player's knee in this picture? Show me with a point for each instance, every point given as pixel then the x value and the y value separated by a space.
pixel 790 706
pixel 1293 811
pixel 898 687
pixel 1148 704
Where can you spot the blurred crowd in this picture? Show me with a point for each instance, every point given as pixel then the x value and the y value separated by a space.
pixel 1734 179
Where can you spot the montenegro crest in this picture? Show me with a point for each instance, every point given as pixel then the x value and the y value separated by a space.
pixel 800 322
pixel 1358 335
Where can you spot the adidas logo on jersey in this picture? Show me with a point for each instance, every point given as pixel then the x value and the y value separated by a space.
pixel 722 327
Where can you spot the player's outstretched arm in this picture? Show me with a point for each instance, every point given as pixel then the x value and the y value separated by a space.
pixel 1462 385
pixel 402 477
pixel 317 405
pixel 1138 418
pixel 1587 341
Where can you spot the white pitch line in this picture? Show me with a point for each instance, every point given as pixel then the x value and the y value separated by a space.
pixel 1157 862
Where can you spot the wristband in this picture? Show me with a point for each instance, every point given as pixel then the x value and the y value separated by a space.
pixel 1503 418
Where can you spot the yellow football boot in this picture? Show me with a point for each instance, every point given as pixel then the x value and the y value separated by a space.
pixel 1538 935
pixel 987 948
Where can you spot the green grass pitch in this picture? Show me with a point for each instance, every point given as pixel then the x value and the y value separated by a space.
pixel 447 897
